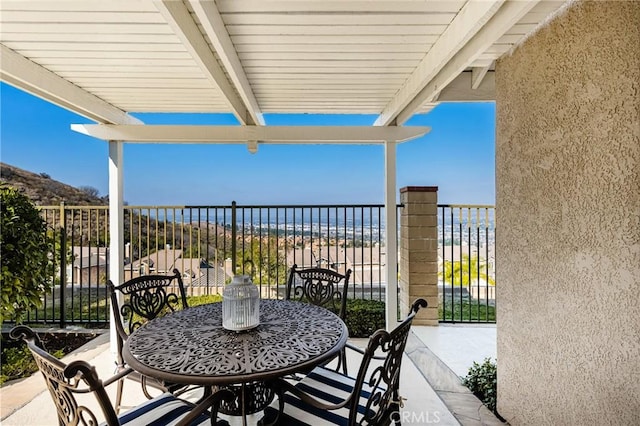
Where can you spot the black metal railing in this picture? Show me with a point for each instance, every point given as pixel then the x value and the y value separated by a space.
pixel 466 260
pixel 209 244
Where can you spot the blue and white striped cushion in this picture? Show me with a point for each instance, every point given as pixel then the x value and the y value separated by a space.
pixel 326 386
pixel 163 410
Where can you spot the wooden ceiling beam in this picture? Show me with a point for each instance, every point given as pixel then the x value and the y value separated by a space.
pixel 215 28
pixel 178 17
pixel 26 75
pixel 510 13
pixel 471 18
pixel 245 134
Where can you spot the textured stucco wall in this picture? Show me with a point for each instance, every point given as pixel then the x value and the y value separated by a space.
pixel 568 220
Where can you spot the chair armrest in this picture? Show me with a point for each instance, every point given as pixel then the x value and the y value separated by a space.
pixel 361 352
pixel 213 401
pixel 354 348
pixel 105 383
pixel 282 386
pixel 117 376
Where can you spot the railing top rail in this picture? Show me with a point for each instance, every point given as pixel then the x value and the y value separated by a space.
pixel 468 206
pixel 70 207
pixel 297 206
pixel 257 206
pixel 244 206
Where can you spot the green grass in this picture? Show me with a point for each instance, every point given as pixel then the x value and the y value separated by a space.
pixel 88 305
pixel 467 311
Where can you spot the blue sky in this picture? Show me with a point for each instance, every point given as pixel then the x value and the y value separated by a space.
pixel 458 156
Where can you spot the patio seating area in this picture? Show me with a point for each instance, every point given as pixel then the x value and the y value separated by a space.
pixel 563 77
pixel 427 382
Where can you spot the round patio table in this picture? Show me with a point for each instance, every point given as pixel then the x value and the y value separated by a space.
pixel 192 347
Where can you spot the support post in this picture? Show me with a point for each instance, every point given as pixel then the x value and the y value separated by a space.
pixel 63 265
pixel 419 251
pixel 116 228
pixel 391 235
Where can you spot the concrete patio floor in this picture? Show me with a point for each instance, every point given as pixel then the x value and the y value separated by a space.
pixel 435 358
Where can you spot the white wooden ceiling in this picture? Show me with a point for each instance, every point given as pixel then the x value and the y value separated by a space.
pixel 104 59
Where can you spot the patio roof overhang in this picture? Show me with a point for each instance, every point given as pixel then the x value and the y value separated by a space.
pixel 395 58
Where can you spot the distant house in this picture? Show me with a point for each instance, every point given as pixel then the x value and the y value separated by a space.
pixel 160 262
pixel 196 273
pixel 89 265
pixel 366 264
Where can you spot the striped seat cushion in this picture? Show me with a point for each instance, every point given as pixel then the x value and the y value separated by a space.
pixel 164 410
pixel 328 387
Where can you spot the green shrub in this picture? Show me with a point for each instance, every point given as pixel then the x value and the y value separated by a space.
pixel 466 311
pixel 203 300
pixel 17 362
pixel 482 380
pixel 25 255
pixel 364 317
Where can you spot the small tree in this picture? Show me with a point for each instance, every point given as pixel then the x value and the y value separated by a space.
pixel 90 190
pixel 469 270
pixel 25 252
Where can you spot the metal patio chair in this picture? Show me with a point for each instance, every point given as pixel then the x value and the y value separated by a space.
pixel 325 396
pixel 65 381
pixel 321 287
pixel 145 297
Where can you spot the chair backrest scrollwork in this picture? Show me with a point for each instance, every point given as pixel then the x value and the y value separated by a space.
pixel 66 380
pixel 383 381
pixel 145 297
pixel 319 286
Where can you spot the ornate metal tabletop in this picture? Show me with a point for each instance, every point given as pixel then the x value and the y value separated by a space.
pixel 191 347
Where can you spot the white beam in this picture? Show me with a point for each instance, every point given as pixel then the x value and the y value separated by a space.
pixel 390 235
pixel 243 134
pixel 510 13
pixel 26 75
pixel 477 75
pixel 460 90
pixel 214 27
pixel 116 225
pixel 179 18
pixel 465 25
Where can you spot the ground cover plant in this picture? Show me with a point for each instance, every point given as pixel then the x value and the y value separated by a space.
pixel 18 363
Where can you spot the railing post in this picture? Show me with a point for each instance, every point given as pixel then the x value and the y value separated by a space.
pixel 234 232
pixel 63 264
pixel 419 251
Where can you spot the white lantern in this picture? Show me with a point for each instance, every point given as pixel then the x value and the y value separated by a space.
pixel 240 304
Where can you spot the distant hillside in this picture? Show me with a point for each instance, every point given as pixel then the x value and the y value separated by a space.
pixel 44 191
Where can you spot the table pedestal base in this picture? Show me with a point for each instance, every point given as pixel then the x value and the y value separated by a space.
pixel 251 398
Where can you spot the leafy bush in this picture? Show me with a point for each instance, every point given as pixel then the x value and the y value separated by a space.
pixel 17 361
pixel 203 300
pixel 482 380
pixel 364 317
pixel 24 278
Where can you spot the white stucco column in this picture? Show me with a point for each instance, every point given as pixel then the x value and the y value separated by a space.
pixel 116 226
pixel 390 235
